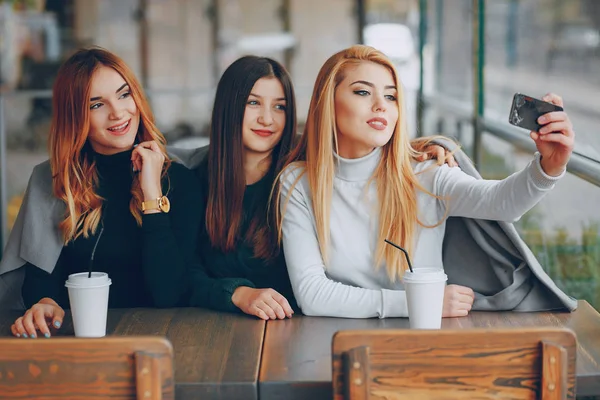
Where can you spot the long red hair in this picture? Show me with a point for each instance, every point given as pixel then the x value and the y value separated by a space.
pixel 74 173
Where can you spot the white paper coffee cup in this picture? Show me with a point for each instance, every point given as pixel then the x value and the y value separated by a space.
pixel 88 298
pixel 425 297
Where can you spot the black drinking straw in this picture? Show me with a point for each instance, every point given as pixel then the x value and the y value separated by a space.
pixel 404 251
pixel 94 252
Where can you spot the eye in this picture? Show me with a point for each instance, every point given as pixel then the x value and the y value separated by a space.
pixel 281 107
pixel 252 103
pixel 390 97
pixel 362 92
pixel 125 95
pixel 95 106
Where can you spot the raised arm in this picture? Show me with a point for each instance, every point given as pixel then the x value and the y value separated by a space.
pixel 499 200
pixel 170 240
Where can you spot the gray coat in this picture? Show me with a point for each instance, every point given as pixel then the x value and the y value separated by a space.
pixel 476 252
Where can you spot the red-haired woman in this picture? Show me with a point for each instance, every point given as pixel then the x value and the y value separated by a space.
pixel 110 201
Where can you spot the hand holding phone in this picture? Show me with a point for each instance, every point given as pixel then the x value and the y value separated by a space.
pixel 554 137
pixel 526 110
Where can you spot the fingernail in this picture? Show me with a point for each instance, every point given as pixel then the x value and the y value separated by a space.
pixel 25 335
pixel 47 335
pixel 57 324
pixel 18 335
pixel 33 336
pixel 542 120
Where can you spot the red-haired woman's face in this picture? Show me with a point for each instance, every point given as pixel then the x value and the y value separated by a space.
pixel 114 116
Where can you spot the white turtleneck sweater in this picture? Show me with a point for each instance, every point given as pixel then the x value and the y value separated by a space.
pixel 351 285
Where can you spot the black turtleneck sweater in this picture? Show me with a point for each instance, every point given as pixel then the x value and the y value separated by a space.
pixel 148 265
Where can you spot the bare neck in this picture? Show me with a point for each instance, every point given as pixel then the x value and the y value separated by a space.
pixel 256 166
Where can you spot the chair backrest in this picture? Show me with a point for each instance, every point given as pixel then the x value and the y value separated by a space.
pixel 534 363
pixel 72 368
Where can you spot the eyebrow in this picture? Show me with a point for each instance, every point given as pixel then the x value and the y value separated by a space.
pixel 260 97
pixel 117 91
pixel 371 85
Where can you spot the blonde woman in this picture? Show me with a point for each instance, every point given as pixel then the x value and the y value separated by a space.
pixel 353 181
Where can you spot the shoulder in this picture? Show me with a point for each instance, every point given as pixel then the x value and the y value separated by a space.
pixel 41 178
pixel 42 171
pixel 191 158
pixel 292 172
pixel 434 178
pixel 182 179
pixel 427 172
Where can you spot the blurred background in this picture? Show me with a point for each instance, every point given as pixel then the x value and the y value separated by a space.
pixel 460 61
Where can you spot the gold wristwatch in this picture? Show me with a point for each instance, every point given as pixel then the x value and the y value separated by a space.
pixel 161 204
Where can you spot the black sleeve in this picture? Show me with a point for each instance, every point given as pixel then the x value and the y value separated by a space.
pixel 214 293
pixel 39 284
pixel 169 239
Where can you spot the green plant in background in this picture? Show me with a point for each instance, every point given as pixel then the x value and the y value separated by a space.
pixel 573 264
pixel 22 4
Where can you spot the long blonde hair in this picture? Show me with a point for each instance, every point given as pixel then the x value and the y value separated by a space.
pixel 74 173
pixel 396 182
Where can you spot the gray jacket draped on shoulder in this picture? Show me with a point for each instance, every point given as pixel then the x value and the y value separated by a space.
pixel 476 253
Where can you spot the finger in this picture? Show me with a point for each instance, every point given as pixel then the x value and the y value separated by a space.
pixel 28 324
pixel 554 99
pixel 59 316
pixel 146 144
pixel 39 320
pixel 560 139
pixel 136 159
pixel 14 331
pixel 440 154
pixel 465 290
pixel 20 328
pixel 554 116
pixel 259 313
pixel 464 301
pixel 287 309
pixel 154 147
pixel 267 309
pixel 556 127
pixel 451 161
pixel 276 307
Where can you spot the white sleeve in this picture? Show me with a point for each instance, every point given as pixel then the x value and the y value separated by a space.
pixel 498 200
pixel 317 294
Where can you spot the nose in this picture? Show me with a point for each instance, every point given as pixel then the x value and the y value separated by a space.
pixel 265 117
pixel 116 112
pixel 379 104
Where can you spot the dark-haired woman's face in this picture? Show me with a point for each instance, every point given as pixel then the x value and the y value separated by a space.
pixel 114 116
pixel 264 117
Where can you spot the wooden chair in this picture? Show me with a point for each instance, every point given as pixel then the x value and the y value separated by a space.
pixel 536 363
pixel 71 368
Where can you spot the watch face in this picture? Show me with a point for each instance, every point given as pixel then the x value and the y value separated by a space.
pixel 164 204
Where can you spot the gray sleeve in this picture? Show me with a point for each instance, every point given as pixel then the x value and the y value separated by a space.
pixel 499 200
pixel 315 292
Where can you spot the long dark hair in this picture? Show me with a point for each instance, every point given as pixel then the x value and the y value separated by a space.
pixel 226 177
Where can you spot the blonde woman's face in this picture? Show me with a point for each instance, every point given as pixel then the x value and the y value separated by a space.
pixel 366 109
pixel 114 116
pixel 264 117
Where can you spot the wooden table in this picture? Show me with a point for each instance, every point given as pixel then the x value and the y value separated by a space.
pixel 217 355
pixel 296 359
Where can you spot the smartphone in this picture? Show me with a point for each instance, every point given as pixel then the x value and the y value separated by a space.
pixel 526 110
